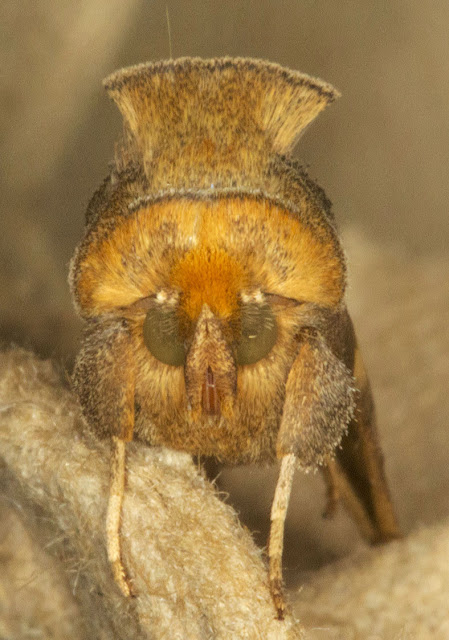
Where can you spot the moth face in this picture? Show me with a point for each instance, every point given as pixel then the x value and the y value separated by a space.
pixel 210 323
pixel 210 346
pixel 213 293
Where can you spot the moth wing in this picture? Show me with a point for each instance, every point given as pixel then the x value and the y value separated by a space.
pixel 329 421
pixel 356 475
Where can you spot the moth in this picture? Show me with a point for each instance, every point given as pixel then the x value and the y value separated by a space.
pixel 212 279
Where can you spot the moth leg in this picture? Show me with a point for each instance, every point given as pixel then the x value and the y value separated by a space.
pixel 340 489
pixel 276 542
pixel 319 403
pixel 117 481
pixel 116 494
pixel 357 473
pixel 332 492
pixel 104 381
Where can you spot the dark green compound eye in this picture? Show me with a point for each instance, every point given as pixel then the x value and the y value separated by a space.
pixel 258 333
pixel 161 336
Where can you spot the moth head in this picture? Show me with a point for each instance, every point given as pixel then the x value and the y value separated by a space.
pixel 214 292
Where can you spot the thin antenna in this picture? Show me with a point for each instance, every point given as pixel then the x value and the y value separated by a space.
pixel 169 31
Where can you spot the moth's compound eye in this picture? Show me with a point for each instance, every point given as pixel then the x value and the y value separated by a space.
pixel 161 336
pixel 258 333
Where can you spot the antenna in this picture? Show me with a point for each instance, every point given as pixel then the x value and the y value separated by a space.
pixel 169 31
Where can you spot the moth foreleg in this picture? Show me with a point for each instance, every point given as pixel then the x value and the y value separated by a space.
pixel 104 381
pixel 276 542
pixel 318 406
pixel 114 511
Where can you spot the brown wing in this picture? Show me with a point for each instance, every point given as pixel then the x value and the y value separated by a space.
pixel 356 475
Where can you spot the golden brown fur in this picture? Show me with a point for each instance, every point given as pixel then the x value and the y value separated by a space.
pixel 209 239
pixel 144 252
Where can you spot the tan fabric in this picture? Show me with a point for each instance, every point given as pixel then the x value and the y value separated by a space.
pixel 197 573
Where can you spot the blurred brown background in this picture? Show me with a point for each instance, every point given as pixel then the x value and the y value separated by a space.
pixel 381 153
